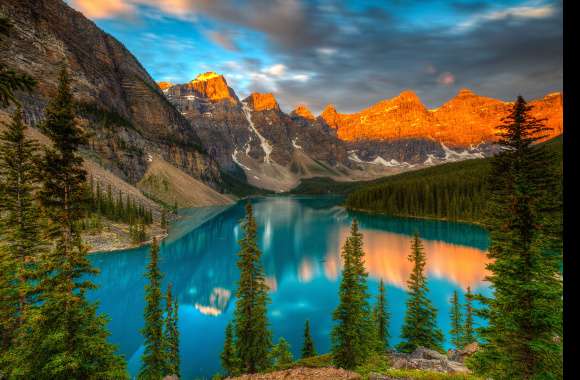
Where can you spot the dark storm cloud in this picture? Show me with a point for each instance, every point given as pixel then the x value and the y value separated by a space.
pixel 355 54
pixel 500 56
pixel 289 23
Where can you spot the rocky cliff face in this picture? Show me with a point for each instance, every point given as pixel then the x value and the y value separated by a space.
pixel 254 140
pixel 211 86
pixel 262 102
pixel 121 106
pixel 303 112
pixel 466 120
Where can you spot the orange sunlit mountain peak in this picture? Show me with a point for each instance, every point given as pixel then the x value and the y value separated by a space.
pixel 207 76
pixel 262 101
pixel 165 85
pixel 212 86
pixel 464 120
pixel 303 111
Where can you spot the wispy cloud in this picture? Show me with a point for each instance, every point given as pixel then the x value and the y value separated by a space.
pixel 103 8
pixel 223 39
pixel 529 10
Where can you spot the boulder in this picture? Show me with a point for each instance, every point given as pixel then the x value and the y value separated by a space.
pixel 428 360
pixel 461 355
pixel 425 353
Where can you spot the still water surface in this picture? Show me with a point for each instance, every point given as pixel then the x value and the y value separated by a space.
pixel 300 238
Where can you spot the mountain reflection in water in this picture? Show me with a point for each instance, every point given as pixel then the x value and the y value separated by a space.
pixel 301 239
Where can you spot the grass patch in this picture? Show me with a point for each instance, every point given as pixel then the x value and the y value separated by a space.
pixel 376 363
pixel 415 374
pixel 319 361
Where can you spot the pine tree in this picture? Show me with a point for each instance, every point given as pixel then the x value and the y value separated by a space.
pixel 154 358
pixel 21 242
pixel 308 349
pixel 171 334
pixel 229 358
pixel 382 318
pixel 456 331
pixel 353 337
pixel 468 329
pixel 253 337
pixel 420 324
pixel 63 336
pixel 524 218
pixel 281 354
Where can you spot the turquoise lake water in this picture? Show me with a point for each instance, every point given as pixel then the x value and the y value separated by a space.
pixel 300 238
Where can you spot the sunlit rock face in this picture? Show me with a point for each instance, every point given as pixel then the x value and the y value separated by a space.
pixel 330 116
pixel 302 111
pixel 211 86
pixel 467 119
pixel 386 257
pixel 551 108
pixel 262 102
pixel 164 85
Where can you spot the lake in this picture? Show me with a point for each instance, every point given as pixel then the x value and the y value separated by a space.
pixel 301 239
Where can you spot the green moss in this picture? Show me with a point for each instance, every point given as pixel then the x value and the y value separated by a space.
pixel 376 363
pixel 319 361
pixel 414 374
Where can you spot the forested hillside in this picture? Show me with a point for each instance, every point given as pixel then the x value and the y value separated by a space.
pixel 455 191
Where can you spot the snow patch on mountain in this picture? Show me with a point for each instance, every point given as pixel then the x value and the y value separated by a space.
pixel 235 159
pixel 294 144
pixel 451 155
pixel 378 161
pixel 266 147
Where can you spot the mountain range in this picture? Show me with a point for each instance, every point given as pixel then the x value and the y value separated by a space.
pixel 196 139
pixel 275 150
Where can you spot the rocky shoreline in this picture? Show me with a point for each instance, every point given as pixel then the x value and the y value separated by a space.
pixel 115 237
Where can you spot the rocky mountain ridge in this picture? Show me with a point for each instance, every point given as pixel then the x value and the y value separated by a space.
pixel 465 120
pixel 204 130
pixel 255 140
pixel 120 106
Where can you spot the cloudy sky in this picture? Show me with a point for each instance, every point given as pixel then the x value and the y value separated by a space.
pixel 349 53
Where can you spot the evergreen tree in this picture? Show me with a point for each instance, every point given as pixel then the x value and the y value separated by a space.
pixel 281 354
pixel 468 329
pixel 229 357
pixel 63 337
pixel 420 324
pixel 171 334
pixel 20 243
pixel 524 218
pixel 353 337
pixel 308 349
pixel 154 363
pixel 456 331
pixel 253 337
pixel 382 318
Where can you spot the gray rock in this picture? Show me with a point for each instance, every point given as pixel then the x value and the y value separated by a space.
pixel 425 353
pixel 426 359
